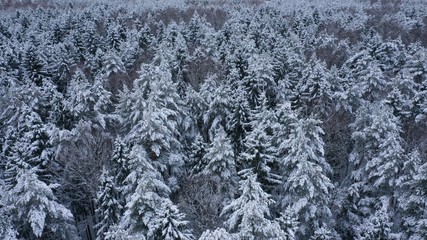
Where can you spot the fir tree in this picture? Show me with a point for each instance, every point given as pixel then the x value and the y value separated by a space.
pixel 289 224
pixel 147 192
pixel 238 120
pixel 219 108
pixel 7 230
pixel 377 225
pixel 152 111
pixel 260 80
pixel 35 210
pixel 112 64
pixel 34 63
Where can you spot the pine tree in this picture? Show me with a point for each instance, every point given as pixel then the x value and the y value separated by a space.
pixel 115 33
pixel 197 152
pixel 288 65
pixel 153 115
pixel 416 62
pixel 402 97
pixel 7 230
pixel 323 233
pixel 91 39
pixel 378 146
pixel 34 63
pixel 218 96
pixel 281 128
pixel 111 197
pixel 178 54
pixel 112 63
pixel 377 225
pixel 60 68
pixel 390 55
pixel 260 80
pixel 118 233
pixel 238 120
pixel 289 224
pixel 95 61
pixel 147 192
pixel 120 162
pixel 420 102
pixel 27 140
pixel 130 50
pixel 198 29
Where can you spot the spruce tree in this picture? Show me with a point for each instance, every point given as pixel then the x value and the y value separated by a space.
pixel 172 224
pixel 313 93
pixel 109 207
pixel 412 199
pixel 217 234
pixel 376 159
pixel 87 101
pixel 258 153
pixel 149 210
pixel 366 79
pixel 220 158
pixel 249 215
pixel 306 185
pixel 34 209
pixel 221 164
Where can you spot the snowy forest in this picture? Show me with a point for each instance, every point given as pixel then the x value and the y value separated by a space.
pixel 213 120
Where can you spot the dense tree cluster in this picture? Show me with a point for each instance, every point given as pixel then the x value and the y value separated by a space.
pixel 227 120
